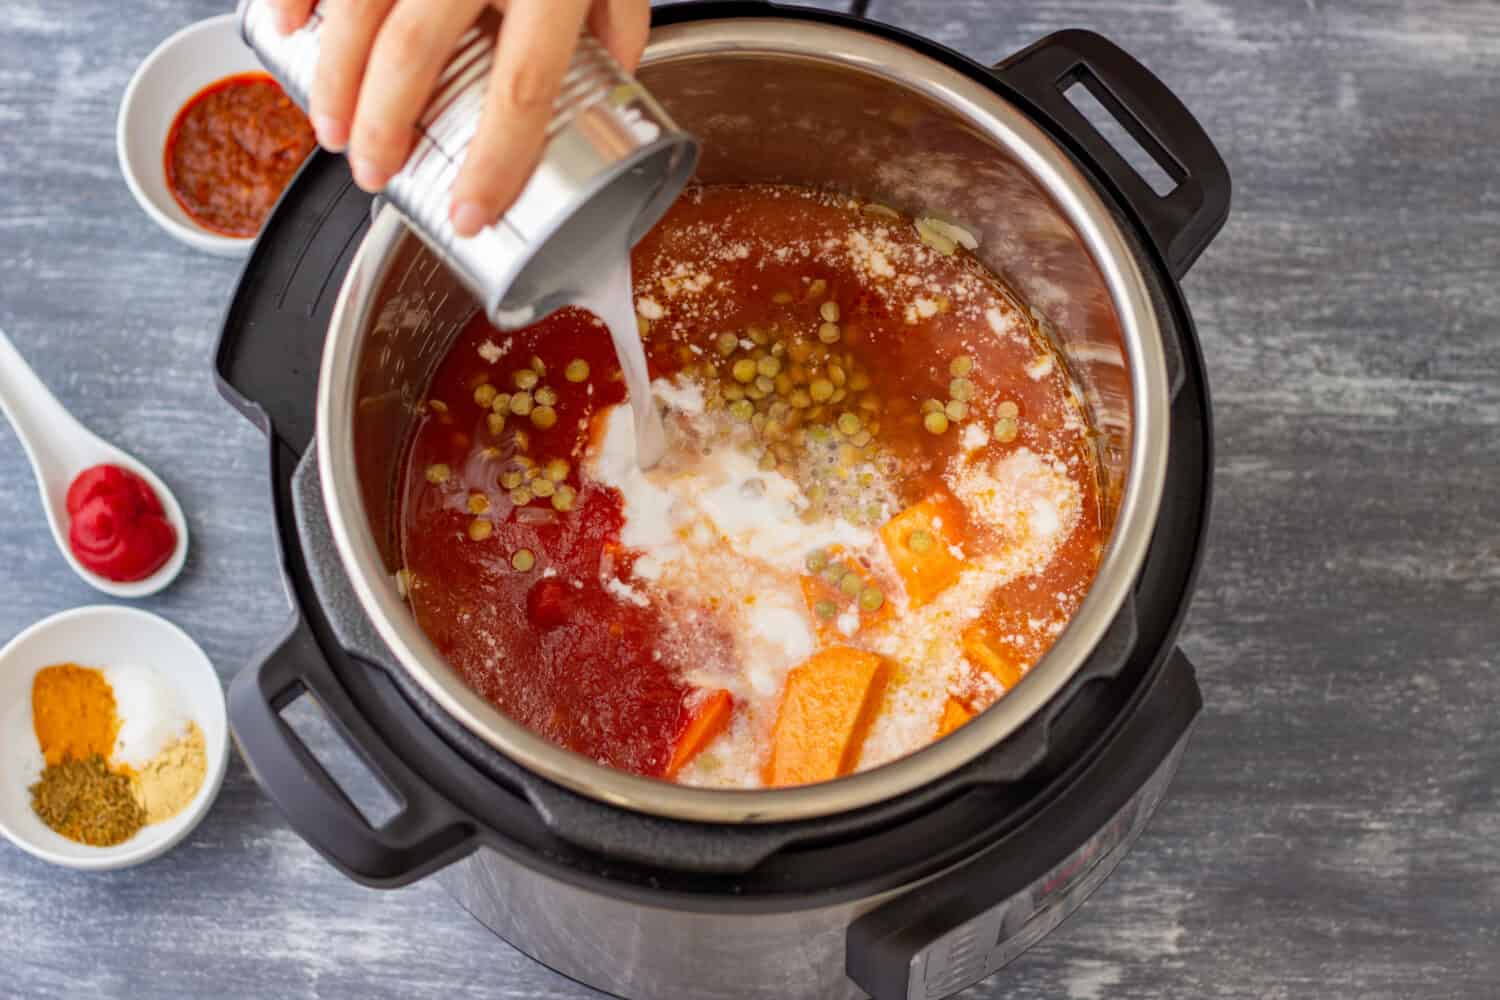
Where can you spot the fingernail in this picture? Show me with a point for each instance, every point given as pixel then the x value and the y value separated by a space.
pixel 284 22
pixel 468 218
pixel 366 174
pixel 333 135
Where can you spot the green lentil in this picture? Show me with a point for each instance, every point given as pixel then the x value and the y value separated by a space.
pixel 956 409
pixel 522 560
pixel 936 423
pixel 526 378
pixel 726 343
pixel 960 366
pixel 817 559
pixel 871 599
pixel 851 584
pixel 577 370
pixel 829 333
pixel 743 371
pixel 544 417
pixel 920 541
pixel 520 404
pixel 961 389
pixel 825 609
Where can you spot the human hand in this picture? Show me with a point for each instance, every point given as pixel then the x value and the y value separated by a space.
pixel 380 60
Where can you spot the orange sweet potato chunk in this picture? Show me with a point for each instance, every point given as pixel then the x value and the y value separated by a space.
pixel 955 714
pixel 816 589
pixel 918 540
pixel 824 715
pixel 705 726
pixel 987 652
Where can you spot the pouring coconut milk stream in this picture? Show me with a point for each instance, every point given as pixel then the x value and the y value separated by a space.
pixel 613 165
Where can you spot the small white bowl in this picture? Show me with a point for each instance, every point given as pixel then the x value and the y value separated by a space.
pixel 184 64
pixel 102 636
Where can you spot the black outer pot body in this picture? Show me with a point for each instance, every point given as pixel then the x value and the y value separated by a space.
pixel 917 898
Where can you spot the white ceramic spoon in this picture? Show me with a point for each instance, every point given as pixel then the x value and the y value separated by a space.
pixel 60 448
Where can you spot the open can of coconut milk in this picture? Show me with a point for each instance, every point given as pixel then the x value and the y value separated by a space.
pixel 613 163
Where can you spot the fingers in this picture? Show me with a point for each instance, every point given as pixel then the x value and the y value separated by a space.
pixel 349 30
pixel 621 27
pixel 537 39
pixel 411 49
pixel 290 14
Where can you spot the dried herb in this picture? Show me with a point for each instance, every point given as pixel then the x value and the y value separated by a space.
pixel 85 801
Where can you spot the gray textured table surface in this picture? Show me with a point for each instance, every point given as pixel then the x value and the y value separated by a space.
pixel 1335 830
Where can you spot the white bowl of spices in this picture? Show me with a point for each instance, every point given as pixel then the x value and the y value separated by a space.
pixel 113 737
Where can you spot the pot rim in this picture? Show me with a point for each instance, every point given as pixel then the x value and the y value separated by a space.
pixel 1080 202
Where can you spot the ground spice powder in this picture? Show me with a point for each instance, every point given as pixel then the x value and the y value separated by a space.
pixel 84 800
pixel 73 712
pixel 171 779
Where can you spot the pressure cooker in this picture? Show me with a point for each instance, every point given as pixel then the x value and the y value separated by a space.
pixel 915 879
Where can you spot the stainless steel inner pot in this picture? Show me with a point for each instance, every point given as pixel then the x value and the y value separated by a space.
pixel 803 103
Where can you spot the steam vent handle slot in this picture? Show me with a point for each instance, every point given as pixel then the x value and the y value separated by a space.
pixel 1182 220
pixel 963 926
pixel 425 834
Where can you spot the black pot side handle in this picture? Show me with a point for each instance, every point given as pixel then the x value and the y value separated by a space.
pixel 962 926
pixel 425 835
pixel 1183 221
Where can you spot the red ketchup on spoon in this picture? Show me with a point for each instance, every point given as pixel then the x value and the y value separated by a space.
pixel 118 529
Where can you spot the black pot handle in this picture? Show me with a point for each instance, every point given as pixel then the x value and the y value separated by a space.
pixel 965 924
pixel 1182 222
pixel 427 834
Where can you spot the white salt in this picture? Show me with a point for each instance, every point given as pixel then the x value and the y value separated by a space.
pixel 150 713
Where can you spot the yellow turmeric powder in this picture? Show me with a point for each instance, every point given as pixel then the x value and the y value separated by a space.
pixel 73 711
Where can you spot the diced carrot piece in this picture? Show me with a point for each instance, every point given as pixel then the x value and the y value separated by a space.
pixel 824 715
pixel 703 728
pixel 955 714
pixel 986 651
pixel 919 540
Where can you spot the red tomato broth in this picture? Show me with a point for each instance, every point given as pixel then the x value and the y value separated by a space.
pixel 232 150
pixel 599 675
pixel 556 652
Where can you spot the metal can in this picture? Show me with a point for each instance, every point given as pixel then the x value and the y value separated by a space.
pixel 613 164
